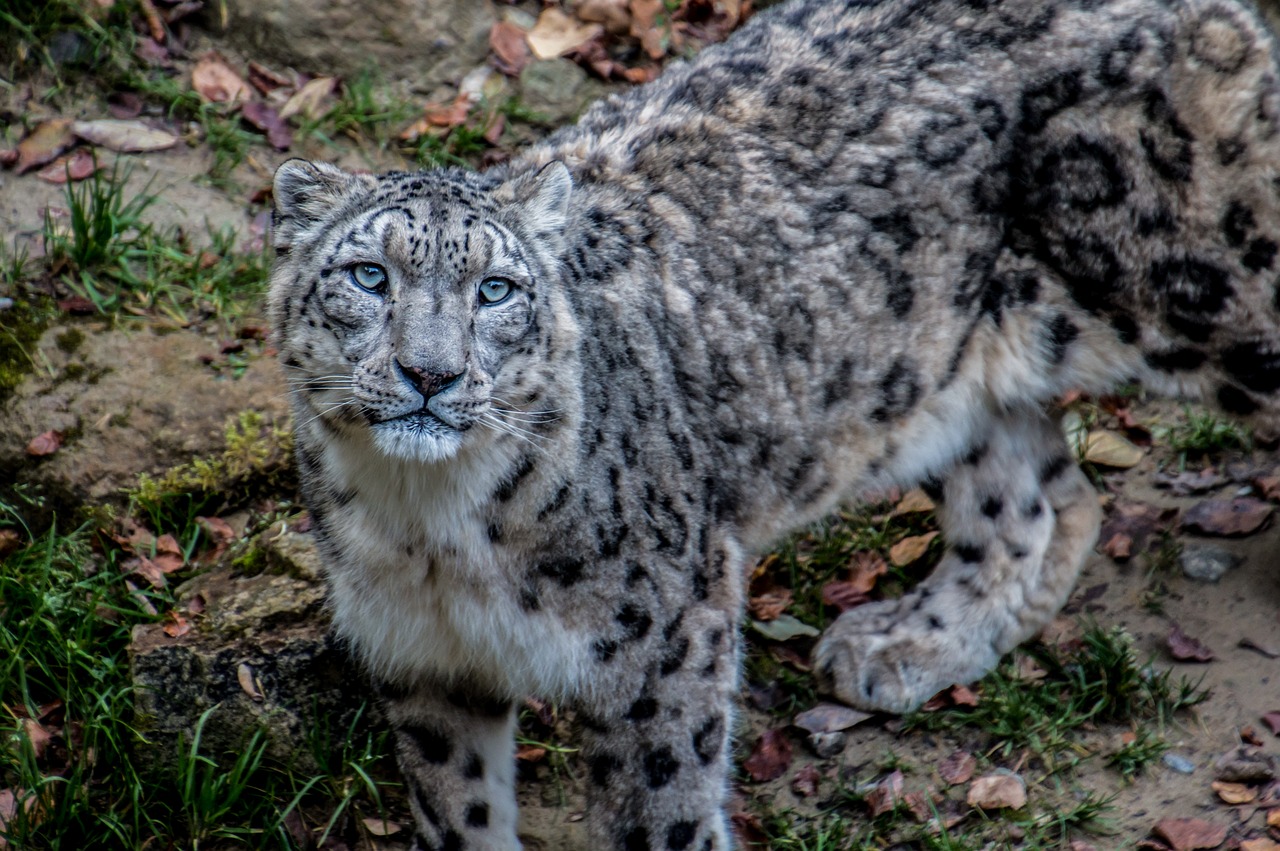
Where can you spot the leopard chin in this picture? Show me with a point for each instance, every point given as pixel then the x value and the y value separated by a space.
pixel 419 437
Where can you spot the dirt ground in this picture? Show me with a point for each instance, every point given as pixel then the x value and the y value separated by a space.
pixel 1244 606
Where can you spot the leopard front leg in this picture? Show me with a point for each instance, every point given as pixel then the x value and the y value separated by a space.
pixel 656 736
pixel 1019 518
pixel 456 751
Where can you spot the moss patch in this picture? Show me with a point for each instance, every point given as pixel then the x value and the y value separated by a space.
pixel 20 329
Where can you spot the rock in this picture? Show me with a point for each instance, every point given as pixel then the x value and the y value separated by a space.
pixel 1178 763
pixel 827 745
pixel 261 653
pixel 556 89
pixel 1245 764
pixel 127 403
pixel 425 41
pixel 1206 563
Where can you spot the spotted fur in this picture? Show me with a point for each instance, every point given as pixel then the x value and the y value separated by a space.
pixel 858 245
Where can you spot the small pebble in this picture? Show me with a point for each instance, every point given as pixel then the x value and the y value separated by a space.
pixel 1206 563
pixel 1180 764
pixel 6 304
pixel 827 745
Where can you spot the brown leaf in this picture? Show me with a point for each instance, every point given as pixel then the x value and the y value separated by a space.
pixel 555 34
pixel 10 541
pixel 1227 517
pixel 530 753
pixel 1189 483
pixel 1110 449
pixel 1119 547
pixel 44 145
pixel 1262 843
pixel 864 569
pixel 1272 720
pixel 750 831
pixel 310 100
pixel 510 50
pixel 37 735
pixel 843 595
pixel 1137 521
pixel 249 682
pixel 124 104
pixel 963 696
pixel 829 718
pixel 176 625
pixel 10 800
pixel 957 768
pixel 910 549
pixel 126 137
pixel 770 757
pixel 45 443
pixel 998 791
pixel 1267 484
pixel 615 15
pixel 168 556
pixel 913 502
pixel 77 305
pixel 153 53
pixel 805 783
pixel 379 827
pixel 80 164
pixel 1234 793
pixel 1249 735
pixel 147 569
pixel 1187 834
pixel 215 81
pixel 886 795
pixel 770 604
pixel 1187 649
pixel 265 80
pixel 266 119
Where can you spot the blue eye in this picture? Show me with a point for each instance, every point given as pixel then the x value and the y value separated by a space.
pixel 494 290
pixel 370 276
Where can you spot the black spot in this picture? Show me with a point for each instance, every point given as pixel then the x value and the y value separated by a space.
pixel 1047 98
pixel 431 744
pixel 635 622
pixel 1175 360
pixel 1060 332
pixel 1054 467
pixel 605 649
pixel 1237 221
pixel 992 506
pixel 660 765
pixel 1255 365
pixel 1260 255
pixel 602 768
pixel 643 709
pixel 935 622
pixel 1033 509
pixel 708 739
pixel 636 839
pixel 969 553
pixel 1125 326
pixel 479 704
pixel 899 390
pixel 1235 401
pixel 932 488
pixel 975 454
pixel 1167 141
pixel 564 571
pixel 478 815
pixel 508 487
pixel 452 841
pixel 675 657
pixel 680 835
pixel 473 768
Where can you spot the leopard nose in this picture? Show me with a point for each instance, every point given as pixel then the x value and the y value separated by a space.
pixel 426 382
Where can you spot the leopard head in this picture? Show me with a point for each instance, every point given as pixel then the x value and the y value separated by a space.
pixel 415 307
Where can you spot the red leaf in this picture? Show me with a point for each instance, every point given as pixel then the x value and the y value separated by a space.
pixel 265 80
pixel 77 305
pixel 45 443
pixel 266 119
pixel 76 166
pixel 510 49
pixel 1188 834
pixel 769 758
pixel 1187 649
pixel 957 768
pixel 176 625
pixel 805 783
pixel 886 795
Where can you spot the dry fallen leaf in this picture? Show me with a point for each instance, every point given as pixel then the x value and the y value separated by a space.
pixel 913 502
pixel 886 795
pixel 77 165
pixel 45 443
pixel 1188 834
pixel 44 145
pixel 378 827
pixel 510 50
pixel 998 791
pixel 215 81
pixel 1234 793
pixel 770 757
pixel 1137 522
pixel 1111 450
pixel 1272 720
pixel 1187 649
pixel 310 100
pixel 769 605
pixel 530 753
pixel 615 15
pixel 957 768
pixel 805 783
pixel 843 595
pixel 910 549
pixel 555 34
pixel 1262 843
pixel 126 137
pixel 1227 517
pixel 829 718
pixel 176 625
pixel 249 682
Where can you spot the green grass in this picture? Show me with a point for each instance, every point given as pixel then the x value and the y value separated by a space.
pixel 1201 433
pixel 1101 680
pixel 109 252
pixel 31 29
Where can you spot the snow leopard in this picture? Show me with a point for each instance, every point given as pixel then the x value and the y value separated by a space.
pixel 546 415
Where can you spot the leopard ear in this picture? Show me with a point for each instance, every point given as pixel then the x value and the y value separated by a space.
pixel 306 193
pixel 542 198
